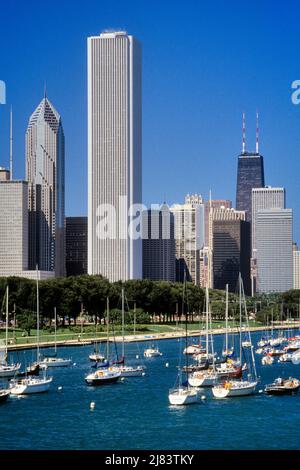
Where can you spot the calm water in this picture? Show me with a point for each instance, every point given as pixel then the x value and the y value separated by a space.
pixel 135 414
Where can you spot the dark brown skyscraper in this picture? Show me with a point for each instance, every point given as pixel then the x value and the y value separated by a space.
pixel 76 245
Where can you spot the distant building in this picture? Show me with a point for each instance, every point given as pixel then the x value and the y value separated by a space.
pixel 296 269
pixel 114 152
pixel 250 174
pixel 14 232
pixel 45 173
pixel 189 237
pixel 159 245
pixel 76 245
pixel 274 250
pixel 231 254
pixel 210 205
pixel 263 198
pixel 4 174
pixel 13 227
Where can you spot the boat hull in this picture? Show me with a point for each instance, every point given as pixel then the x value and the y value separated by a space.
pixel 103 381
pixel 56 363
pixel 4 394
pixel 9 371
pixel 183 397
pixel 28 388
pixel 202 380
pixel 132 372
pixel 282 390
pixel 222 392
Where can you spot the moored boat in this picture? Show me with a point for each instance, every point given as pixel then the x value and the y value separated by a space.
pixel 103 376
pixel 283 387
pixel 152 352
pixel 30 385
pixel 234 388
pixel 4 394
pixel 183 396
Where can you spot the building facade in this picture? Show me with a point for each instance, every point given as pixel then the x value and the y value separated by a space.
pixel 210 205
pixel 231 254
pixel 250 174
pixel 45 173
pixel 114 154
pixel 189 237
pixel 274 250
pixel 76 245
pixel 13 227
pixel 159 245
pixel 296 269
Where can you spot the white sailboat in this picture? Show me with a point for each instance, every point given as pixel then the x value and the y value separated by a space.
pixel 206 378
pixel 7 370
pixel 127 370
pixel 30 385
pixel 55 361
pixel 104 375
pixel 183 395
pixel 233 387
pixel 227 352
pixel 96 356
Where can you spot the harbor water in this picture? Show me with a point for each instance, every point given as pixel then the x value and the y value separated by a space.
pixel 135 413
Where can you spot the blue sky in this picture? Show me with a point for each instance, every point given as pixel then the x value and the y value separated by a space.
pixel 204 63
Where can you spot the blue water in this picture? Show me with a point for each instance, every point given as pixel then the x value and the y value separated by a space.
pixel 135 414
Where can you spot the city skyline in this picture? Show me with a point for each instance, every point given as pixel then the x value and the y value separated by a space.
pixel 171 137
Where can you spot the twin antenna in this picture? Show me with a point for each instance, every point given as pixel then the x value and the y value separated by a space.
pixel 244 134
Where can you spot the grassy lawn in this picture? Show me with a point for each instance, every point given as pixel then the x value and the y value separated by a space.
pixel 89 332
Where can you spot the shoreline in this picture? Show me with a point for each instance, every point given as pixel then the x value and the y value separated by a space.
pixel 141 337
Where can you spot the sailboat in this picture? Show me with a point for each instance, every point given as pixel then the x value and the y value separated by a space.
pixel 183 394
pixel 234 387
pixel 206 378
pixel 7 370
pixel 106 374
pixel 96 356
pixel 54 361
pixel 227 352
pixel 127 371
pixel 30 385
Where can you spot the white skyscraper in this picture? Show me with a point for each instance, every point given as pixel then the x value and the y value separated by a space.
pixel 114 154
pixel 274 245
pixel 45 173
pixel 296 269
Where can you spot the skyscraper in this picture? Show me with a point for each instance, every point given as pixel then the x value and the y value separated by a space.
pixel 274 245
pixel 76 245
pixel 296 268
pixel 250 174
pixel 114 154
pixel 159 245
pixel 45 173
pixel 189 237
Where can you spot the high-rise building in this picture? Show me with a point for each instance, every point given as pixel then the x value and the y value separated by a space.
pixel 231 254
pixel 4 174
pixel 296 269
pixel 263 198
pixel 250 174
pixel 13 227
pixel 274 250
pixel 114 154
pixel 159 245
pixel 45 173
pixel 213 204
pixel 76 245
pixel 189 237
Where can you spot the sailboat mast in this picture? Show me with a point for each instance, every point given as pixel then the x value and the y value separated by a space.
pixel 123 319
pixel 55 329
pixel 207 308
pixel 226 321
pixel 6 325
pixel 240 288
pixel 107 344
pixel 37 316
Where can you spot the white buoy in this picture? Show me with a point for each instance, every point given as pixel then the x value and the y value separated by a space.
pixel 74 364
pixel 59 388
pixel 143 374
pixel 92 405
pixel 137 356
pixel 122 379
pixel 260 391
pixel 203 397
pixel 167 364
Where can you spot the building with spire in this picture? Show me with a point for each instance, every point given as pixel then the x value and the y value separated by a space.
pixel 250 173
pixel 45 173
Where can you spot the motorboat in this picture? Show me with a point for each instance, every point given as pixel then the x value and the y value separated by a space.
pixel 267 360
pixel 287 357
pixel 4 394
pixel 9 370
pixel 131 371
pixel 96 357
pixel 194 349
pixel 206 378
pixel 103 376
pixel 55 362
pixel 152 352
pixel 296 358
pixel 283 387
